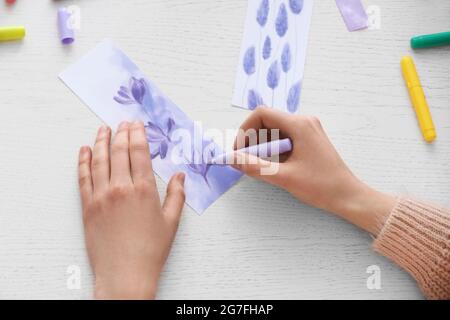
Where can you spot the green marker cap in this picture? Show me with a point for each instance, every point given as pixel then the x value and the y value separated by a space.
pixel 431 40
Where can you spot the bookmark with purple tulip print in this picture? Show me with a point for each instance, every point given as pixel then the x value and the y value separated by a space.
pixel 273 54
pixel 115 89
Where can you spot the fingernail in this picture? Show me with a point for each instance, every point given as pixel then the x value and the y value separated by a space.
pixel 84 153
pixel 138 123
pixel 84 149
pixel 123 125
pixel 102 129
pixel 181 177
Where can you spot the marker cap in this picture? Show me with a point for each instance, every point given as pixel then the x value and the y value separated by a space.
pixel 429 135
pixel 431 40
pixel 66 33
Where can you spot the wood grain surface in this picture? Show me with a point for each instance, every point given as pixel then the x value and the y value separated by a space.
pixel 256 241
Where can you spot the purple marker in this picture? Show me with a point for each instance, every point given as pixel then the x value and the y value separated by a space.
pixel 66 33
pixel 263 150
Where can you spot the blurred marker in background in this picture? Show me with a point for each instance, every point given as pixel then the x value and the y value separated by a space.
pixel 431 40
pixel 12 33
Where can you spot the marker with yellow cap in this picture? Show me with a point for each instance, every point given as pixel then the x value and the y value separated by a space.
pixel 12 33
pixel 418 99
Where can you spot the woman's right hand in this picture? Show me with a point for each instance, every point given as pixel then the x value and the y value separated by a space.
pixel 313 172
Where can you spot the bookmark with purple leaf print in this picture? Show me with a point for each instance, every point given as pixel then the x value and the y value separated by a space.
pixel 114 88
pixel 273 54
pixel 353 13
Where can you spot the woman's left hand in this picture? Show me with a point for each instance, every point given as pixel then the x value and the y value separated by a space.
pixel 128 232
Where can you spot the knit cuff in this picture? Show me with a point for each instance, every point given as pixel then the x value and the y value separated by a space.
pixel 416 236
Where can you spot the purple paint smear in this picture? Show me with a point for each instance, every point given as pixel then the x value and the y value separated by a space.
pixel 353 13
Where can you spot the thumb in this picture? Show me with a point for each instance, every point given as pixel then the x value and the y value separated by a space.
pixel 256 167
pixel 174 202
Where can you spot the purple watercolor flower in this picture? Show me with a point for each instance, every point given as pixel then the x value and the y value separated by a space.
pixel 281 23
pixel 200 161
pixel 161 124
pixel 286 58
pixel 123 93
pixel 254 99
pixel 249 61
pixel 159 138
pixel 293 99
pixel 296 6
pixel 138 87
pixel 134 94
pixel 263 13
pixel 139 92
pixel 267 48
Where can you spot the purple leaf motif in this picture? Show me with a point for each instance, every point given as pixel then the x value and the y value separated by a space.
pixel 123 101
pixel 267 48
pixel 254 100
pixel 286 58
pixel 273 78
pixel 296 6
pixel 273 75
pixel 159 138
pixel 293 99
pixel 249 61
pixel 281 23
pixel 263 13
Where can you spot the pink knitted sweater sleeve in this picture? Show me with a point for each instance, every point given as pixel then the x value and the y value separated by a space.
pixel 416 236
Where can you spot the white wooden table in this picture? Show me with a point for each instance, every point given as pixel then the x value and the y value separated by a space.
pixel 256 241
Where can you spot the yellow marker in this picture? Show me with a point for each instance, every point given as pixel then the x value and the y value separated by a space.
pixel 12 33
pixel 418 99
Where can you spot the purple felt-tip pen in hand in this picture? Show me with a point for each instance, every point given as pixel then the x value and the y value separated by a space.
pixel 263 150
